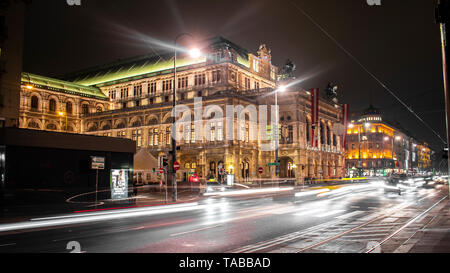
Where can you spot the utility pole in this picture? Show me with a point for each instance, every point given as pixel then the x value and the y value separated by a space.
pixel 442 18
pixel 359 151
pixel 174 141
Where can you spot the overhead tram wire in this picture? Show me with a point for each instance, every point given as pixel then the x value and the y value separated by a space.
pixel 367 71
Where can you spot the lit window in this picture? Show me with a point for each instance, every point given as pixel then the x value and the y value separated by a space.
pixel 256 65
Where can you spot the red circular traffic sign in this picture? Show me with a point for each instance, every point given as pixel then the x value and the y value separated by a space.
pixel 176 166
pixel 260 170
pixel 161 170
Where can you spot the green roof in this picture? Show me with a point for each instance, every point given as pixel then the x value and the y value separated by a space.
pixel 126 71
pixel 147 65
pixel 62 86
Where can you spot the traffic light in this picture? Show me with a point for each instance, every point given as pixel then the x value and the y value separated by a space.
pixel 165 162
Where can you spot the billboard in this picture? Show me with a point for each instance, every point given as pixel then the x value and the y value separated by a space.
pixel 119 184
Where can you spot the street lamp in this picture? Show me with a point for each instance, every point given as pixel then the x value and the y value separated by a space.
pixel 282 88
pixel 194 53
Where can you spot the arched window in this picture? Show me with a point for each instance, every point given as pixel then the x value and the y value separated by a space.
pixel 69 108
pixel 308 136
pixel 322 134
pixel 136 123
pixel 52 105
pixel 34 125
pixel 51 126
pixel 290 136
pixel 34 102
pixel 85 109
pixel 99 109
pixel 328 135
pixel 120 125
pixel 93 127
pixel 153 121
pixel 212 167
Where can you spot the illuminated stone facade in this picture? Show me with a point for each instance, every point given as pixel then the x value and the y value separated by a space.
pixel 54 105
pixel 378 148
pixel 139 105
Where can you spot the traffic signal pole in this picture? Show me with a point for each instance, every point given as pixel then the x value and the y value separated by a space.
pixel 442 18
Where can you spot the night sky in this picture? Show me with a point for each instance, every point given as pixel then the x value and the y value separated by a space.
pixel 399 42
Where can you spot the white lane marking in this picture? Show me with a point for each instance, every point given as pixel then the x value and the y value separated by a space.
pixel 351 214
pixel 333 212
pixel 81 219
pixel 8 244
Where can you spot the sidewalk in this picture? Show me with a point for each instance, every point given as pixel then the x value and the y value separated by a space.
pixel 435 236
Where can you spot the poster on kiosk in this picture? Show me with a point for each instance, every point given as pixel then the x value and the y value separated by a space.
pixel 119 184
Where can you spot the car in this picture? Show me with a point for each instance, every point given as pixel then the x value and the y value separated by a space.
pixel 442 180
pixel 392 184
pixel 215 187
pixel 194 178
pixel 211 179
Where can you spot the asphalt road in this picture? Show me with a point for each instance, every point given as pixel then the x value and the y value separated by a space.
pixel 347 219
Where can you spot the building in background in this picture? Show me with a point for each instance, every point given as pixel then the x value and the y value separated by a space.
pixel 12 25
pixel 133 99
pixel 424 157
pixel 377 148
pixel 55 105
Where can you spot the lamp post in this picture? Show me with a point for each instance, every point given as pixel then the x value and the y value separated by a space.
pixel 367 127
pixel 194 53
pixel 443 18
pixel 277 140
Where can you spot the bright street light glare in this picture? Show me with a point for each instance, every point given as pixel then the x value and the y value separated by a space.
pixel 195 53
pixel 282 88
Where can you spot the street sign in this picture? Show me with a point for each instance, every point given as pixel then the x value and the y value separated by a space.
pixel 260 170
pixel 97 163
pixel 161 170
pixel 176 166
pixel 274 164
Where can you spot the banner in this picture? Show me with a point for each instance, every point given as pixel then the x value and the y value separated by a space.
pixel 345 123
pixel 119 184
pixel 314 116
